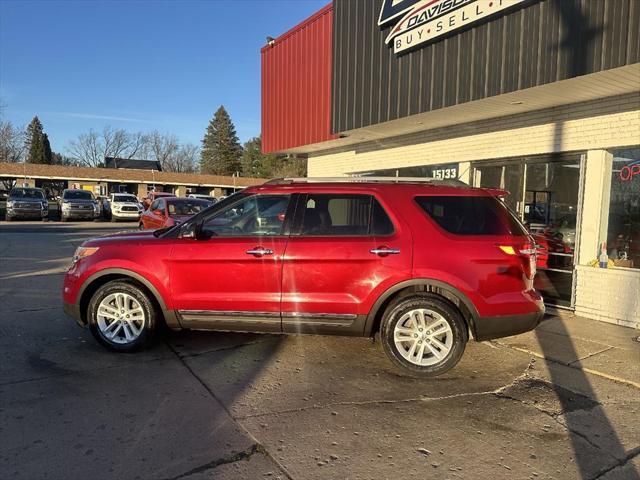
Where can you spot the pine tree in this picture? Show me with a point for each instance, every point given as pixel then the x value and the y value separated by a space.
pixel 221 149
pixel 35 142
pixel 48 154
pixel 255 163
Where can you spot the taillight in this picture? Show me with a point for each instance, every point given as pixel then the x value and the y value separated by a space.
pixel 526 252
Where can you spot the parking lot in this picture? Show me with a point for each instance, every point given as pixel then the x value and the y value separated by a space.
pixel 562 402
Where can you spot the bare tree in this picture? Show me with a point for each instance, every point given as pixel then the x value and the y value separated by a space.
pixel 166 149
pixel 12 143
pixel 90 149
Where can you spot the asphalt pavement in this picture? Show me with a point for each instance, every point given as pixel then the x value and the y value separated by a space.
pixel 559 403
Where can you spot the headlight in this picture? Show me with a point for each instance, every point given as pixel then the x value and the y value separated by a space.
pixel 82 252
pixel 45 205
pixel 10 204
pixel 66 206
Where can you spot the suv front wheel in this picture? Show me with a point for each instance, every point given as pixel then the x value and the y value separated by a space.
pixel 121 316
pixel 423 334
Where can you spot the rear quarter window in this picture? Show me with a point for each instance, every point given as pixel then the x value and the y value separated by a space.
pixel 473 215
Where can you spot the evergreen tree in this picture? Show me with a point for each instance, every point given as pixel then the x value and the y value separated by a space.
pixel 35 142
pixel 48 154
pixel 255 163
pixel 221 149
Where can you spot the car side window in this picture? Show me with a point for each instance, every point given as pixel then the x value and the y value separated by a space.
pixel 154 205
pixel 161 205
pixel 258 215
pixel 343 215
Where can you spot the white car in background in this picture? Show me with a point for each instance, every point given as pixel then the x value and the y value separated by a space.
pixel 124 206
pixel 203 197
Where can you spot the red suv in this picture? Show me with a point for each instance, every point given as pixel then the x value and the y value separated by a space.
pixel 426 264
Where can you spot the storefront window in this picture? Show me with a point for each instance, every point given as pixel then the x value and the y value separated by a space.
pixel 623 239
pixel 543 192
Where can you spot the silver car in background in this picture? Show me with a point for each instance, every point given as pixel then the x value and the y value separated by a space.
pixel 25 202
pixel 78 204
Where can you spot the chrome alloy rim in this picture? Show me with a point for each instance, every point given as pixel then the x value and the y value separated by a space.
pixel 423 337
pixel 121 318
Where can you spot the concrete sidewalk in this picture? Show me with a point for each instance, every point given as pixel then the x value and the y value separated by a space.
pixel 598 348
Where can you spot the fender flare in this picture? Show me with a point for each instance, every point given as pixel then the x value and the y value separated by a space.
pixel 169 315
pixel 426 282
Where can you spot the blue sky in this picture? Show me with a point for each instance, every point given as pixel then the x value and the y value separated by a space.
pixel 139 65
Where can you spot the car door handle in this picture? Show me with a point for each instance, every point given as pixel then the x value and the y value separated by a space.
pixel 382 251
pixel 259 251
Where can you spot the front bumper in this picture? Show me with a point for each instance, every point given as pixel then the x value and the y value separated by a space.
pixel 17 212
pixel 80 213
pixel 489 328
pixel 73 311
pixel 126 215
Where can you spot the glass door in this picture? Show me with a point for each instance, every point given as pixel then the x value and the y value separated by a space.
pixel 544 193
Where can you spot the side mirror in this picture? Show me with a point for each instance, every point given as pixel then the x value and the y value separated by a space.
pixel 188 231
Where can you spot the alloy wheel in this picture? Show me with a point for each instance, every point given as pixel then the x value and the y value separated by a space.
pixel 423 337
pixel 120 318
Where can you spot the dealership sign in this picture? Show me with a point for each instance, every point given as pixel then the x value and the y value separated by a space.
pixel 420 21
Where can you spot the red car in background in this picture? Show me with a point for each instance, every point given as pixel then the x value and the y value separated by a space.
pixel 170 211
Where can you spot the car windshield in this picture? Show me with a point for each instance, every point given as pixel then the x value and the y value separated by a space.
pixel 77 195
pixel 187 207
pixel 125 198
pixel 26 193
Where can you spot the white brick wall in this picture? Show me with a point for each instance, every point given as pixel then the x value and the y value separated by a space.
pixel 601 124
pixel 611 295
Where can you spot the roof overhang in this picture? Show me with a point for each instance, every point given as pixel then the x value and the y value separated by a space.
pixel 608 83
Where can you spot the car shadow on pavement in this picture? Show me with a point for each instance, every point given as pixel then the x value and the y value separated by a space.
pixel 595 442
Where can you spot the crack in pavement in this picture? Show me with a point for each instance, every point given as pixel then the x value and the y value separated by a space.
pixel 235 457
pixel 630 456
pixel 26 310
pixel 570 365
pixel 421 398
pixel 241 427
pixel 219 349
pixel 590 355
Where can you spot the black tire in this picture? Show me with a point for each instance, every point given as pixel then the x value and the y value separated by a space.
pixel 394 313
pixel 141 297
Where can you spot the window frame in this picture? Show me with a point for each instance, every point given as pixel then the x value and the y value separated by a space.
pixel 298 220
pixel 212 212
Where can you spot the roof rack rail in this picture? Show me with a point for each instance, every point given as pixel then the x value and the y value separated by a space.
pixel 366 179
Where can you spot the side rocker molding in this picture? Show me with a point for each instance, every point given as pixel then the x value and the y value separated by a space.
pixel 451 291
pixel 170 317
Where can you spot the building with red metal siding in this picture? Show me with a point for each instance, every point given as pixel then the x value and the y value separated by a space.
pixel 537 97
pixel 296 85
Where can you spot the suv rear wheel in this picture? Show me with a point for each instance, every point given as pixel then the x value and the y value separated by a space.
pixel 121 316
pixel 423 334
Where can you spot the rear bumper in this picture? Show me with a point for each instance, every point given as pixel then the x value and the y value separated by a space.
pixel 73 311
pixel 488 328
